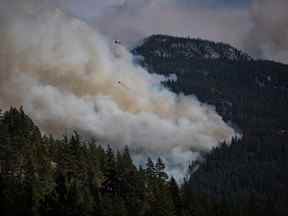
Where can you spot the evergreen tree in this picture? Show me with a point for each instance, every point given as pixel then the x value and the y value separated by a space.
pixel 160 170
pixel 176 196
pixel 110 163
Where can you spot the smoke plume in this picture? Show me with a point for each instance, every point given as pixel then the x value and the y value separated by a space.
pixel 268 37
pixel 256 26
pixel 67 76
pixel 136 19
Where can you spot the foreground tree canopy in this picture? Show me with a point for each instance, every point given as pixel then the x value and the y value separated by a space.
pixel 44 175
pixel 41 175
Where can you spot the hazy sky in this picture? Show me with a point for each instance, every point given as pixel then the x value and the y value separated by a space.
pixel 71 78
pixel 89 8
pixel 67 76
pixel 132 20
pixel 259 27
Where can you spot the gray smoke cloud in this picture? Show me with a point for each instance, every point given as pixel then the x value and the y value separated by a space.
pixel 268 37
pixel 136 19
pixel 258 27
pixel 131 20
pixel 68 76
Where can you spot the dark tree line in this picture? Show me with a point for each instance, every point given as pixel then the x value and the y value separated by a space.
pixel 41 175
pixel 249 177
pixel 253 94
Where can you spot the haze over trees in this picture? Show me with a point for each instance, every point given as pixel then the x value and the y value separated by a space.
pixel 73 175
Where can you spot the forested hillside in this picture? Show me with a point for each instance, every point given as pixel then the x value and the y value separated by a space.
pixel 41 175
pixel 73 175
pixel 253 94
pixel 249 177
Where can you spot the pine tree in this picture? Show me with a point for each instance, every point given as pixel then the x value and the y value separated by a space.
pixel 150 170
pixel 160 170
pixel 124 162
pixel 176 196
pixel 109 163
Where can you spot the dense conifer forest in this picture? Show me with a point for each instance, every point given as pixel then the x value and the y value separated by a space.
pixel 248 177
pixel 41 175
pixel 73 175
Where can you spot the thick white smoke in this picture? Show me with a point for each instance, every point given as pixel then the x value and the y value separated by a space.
pixel 67 76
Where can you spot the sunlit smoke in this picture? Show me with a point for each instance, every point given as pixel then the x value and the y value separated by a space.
pixel 67 76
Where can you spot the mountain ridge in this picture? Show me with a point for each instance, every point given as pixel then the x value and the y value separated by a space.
pixel 249 176
pixel 189 48
pixel 243 90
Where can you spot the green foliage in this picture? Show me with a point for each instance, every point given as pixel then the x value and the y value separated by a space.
pixel 250 93
pixel 41 175
pixel 248 177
